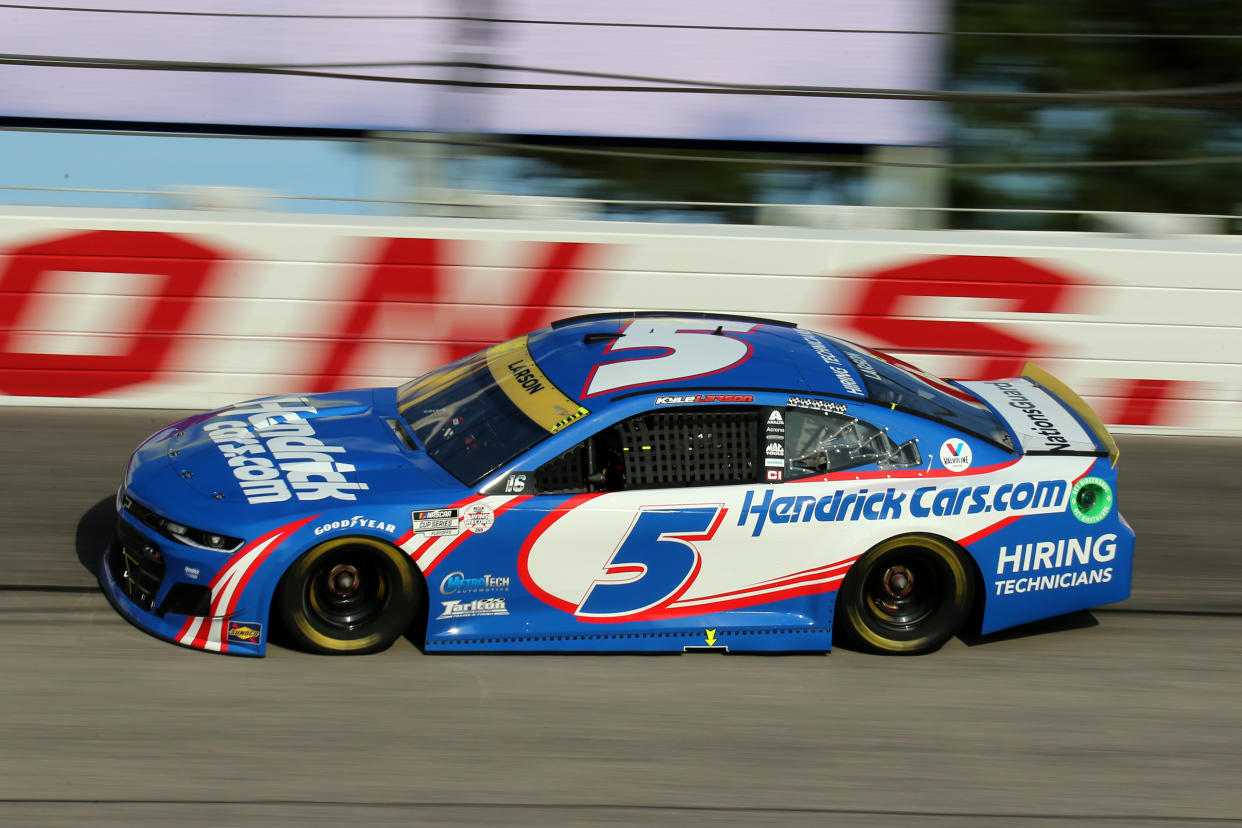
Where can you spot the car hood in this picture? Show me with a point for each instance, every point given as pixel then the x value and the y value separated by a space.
pixel 287 455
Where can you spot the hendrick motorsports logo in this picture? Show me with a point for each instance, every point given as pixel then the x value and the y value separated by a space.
pixel 477 607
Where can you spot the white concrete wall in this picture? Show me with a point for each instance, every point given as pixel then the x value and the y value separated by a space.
pixel 193 309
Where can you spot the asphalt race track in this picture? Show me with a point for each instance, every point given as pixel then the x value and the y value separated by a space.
pixel 1130 715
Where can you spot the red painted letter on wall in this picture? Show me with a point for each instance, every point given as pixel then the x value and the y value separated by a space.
pixel 887 313
pixel 183 267
pixel 411 275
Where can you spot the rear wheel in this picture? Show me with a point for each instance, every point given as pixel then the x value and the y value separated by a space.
pixel 908 595
pixel 349 595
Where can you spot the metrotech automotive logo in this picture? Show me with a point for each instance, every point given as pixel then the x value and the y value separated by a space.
pixel 955 455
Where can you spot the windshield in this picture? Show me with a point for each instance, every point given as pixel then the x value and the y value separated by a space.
pixel 478 413
pixel 894 382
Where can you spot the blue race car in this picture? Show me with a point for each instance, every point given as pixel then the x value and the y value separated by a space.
pixel 626 482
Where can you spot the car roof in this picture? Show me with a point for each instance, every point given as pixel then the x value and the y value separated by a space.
pixel 779 356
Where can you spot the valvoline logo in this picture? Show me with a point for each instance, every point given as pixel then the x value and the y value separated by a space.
pixel 955 455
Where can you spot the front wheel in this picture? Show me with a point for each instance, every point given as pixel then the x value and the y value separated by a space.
pixel 348 595
pixel 907 595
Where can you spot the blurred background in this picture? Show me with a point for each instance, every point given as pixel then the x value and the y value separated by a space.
pixel 1062 115
pixel 856 161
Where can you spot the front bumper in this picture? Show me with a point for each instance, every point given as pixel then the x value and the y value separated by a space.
pixel 138 575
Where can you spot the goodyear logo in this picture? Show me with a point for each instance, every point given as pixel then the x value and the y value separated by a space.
pixel 894 504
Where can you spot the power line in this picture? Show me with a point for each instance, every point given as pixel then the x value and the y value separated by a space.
pixel 623 202
pixel 811 163
pixel 465 18
pixel 1181 96
pixel 554 149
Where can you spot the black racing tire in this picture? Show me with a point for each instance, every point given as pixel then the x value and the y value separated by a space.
pixel 349 595
pixel 906 596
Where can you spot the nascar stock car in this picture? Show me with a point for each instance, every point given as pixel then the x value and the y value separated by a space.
pixel 626 482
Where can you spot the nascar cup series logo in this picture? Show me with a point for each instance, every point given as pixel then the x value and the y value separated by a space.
pixel 955 455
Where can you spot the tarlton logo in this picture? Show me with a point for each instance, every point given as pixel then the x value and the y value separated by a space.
pixel 308 465
pixel 1058 555
pixel 891 504
pixel 685 399
pixel 245 632
pixel 456 582
pixel 479 606
pixel 955 455
pixel 356 522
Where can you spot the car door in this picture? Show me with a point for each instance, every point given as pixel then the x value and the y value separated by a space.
pixel 641 537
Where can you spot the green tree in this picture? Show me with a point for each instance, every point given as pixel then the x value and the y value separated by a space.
pixel 1105 53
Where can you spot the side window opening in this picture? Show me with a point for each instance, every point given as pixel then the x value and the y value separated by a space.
pixel 817 443
pixel 700 447
pixel 690 447
pixel 565 474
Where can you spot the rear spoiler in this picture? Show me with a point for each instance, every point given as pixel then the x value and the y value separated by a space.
pixel 1076 403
